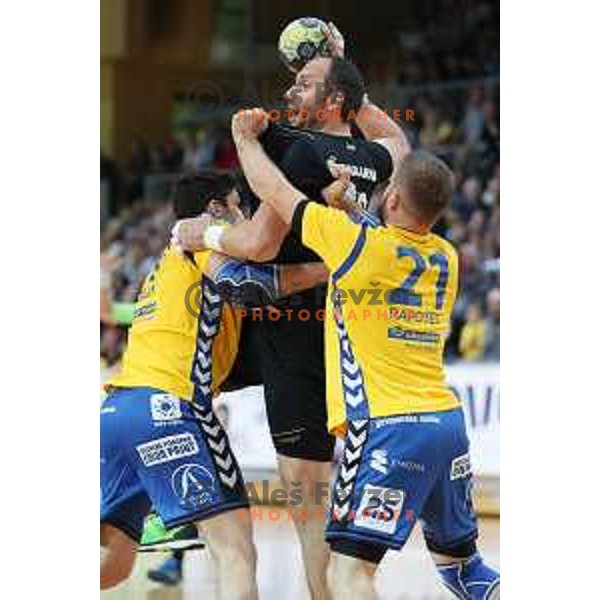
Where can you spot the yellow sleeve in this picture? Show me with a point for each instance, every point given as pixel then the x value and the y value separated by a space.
pixel 331 234
pixel 201 259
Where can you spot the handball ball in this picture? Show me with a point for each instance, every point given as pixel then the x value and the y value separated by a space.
pixel 301 41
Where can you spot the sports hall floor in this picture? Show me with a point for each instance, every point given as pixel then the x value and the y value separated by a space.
pixel 406 576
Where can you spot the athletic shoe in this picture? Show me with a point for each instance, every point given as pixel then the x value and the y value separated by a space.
pixel 169 573
pixel 157 538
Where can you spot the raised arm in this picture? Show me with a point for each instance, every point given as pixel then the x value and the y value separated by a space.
pixel 373 122
pixel 379 127
pixel 329 231
pixel 265 179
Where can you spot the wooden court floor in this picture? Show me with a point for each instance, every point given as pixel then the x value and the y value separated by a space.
pixel 408 575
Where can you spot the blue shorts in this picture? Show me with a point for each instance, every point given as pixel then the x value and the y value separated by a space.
pixel 398 469
pixel 157 450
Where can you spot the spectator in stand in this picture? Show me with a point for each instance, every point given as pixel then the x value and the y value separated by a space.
pixel 491 196
pixel 492 326
pixel 226 155
pixel 189 151
pixel 472 335
pixel 473 121
pixel 111 344
pixel 465 201
pixel 436 132
pixel 206 148
pixel 108 265
pixel 199 149
pixel 172 156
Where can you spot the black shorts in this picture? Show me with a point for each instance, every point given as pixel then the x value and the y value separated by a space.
pixel 292 364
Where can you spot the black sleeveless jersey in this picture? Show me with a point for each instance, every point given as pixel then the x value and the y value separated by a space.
pixel 303 156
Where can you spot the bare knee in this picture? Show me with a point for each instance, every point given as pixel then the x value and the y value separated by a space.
pixel 239 556
pixel 118 553
pixel 229 538
pixel 309 476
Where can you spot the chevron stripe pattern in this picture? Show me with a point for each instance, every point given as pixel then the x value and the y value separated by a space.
pixel 343 489
pixel 218 445
pixel 208 327
pixel 352 378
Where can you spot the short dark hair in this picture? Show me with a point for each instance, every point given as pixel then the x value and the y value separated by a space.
pixel 428 184
pixel 194 191
pixel 343 77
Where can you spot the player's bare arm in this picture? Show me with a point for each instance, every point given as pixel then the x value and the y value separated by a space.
pixel 373 121
pixel 265 179
pixel 377 126
pixel 257 239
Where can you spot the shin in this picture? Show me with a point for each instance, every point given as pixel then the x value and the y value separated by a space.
pixel 311 478
pixel 229 538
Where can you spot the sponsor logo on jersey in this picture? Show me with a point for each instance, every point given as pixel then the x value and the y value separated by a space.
pixel 461 467
pixel 407 335
pixel 167 449
pixel 359 171
pixel 411 465
pixel 379 509
pixel 165 407
pixel 145 311
pixel 379 461
pixel 413 419
pixel 194 485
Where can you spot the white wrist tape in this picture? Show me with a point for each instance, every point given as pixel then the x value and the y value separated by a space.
pixel 175 232
pixel 212 237
pixel 350 195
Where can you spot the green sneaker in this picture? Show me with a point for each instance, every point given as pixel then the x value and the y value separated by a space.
pixel 156 538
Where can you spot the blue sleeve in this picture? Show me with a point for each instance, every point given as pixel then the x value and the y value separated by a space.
pixel 248 285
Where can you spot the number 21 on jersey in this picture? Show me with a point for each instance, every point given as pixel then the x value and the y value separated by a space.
pixel 406 293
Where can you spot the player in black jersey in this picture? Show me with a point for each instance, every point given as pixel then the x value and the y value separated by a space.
pixel 328 95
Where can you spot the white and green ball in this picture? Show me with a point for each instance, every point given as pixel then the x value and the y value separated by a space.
pixel 301 41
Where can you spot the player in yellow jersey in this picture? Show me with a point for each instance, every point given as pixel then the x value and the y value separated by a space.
pixel 406 453
pixel 161 443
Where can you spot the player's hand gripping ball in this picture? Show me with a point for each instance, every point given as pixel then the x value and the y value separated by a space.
pixel 305 39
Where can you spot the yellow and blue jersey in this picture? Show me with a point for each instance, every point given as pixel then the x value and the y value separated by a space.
pixel 183 334
pixel 388 315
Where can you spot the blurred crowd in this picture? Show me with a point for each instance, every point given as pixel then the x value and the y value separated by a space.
pixel 464 131
pixel 446 47
pixel 467 136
